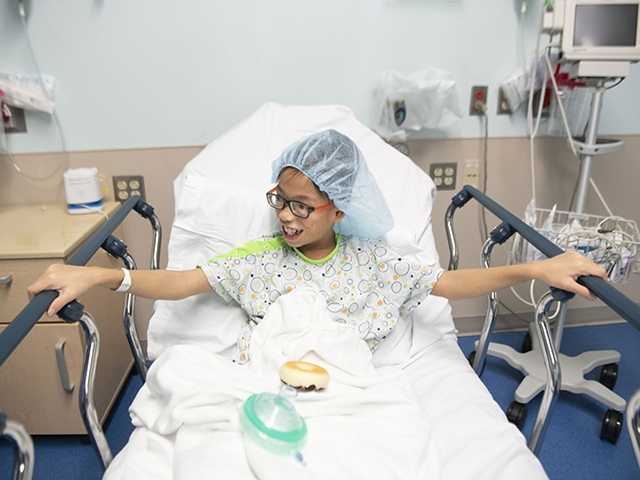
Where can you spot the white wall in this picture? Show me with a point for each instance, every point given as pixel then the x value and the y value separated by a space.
pixel 156 73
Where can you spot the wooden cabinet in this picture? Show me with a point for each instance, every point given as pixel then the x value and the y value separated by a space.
pixel 31 389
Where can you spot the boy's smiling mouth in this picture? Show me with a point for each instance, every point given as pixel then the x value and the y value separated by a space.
pixel 289 233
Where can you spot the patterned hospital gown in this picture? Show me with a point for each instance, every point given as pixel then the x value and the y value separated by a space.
pixel 366 285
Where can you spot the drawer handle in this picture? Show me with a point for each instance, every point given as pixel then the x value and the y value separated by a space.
pixel 5 280
pixel 62 367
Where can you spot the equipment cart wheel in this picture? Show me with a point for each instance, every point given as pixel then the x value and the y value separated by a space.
pixel 609 375
pixel 517 414
pixel 526 344
pixel 471 357
pixel 611 426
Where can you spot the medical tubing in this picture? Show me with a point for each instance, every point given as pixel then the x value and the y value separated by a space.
pixel 482 214
pixel 601 197
pixel 563 113
pixel 11 337
pixel 532 80
pixel 63 140
pixel 618 302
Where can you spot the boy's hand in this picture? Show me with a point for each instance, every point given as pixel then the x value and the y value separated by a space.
pixel 563 270
pixel 69 281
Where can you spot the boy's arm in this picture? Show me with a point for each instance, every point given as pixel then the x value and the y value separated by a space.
pixel 71 282
pixel 560 272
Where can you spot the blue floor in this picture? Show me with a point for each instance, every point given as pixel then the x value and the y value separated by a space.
pixel 572 448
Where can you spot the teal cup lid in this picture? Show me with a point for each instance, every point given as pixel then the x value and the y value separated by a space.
pixel 273 422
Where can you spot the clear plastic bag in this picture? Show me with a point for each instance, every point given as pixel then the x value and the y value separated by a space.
pixel 424 99
pixel 29 92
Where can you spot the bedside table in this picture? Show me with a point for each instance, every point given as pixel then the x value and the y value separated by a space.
pixel 39 382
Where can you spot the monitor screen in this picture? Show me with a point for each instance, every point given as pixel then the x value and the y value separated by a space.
pixel 606 25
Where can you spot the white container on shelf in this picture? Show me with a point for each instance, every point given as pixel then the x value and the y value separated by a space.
pixel 82 190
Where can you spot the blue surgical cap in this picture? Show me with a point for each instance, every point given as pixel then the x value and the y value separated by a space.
pixel 336 166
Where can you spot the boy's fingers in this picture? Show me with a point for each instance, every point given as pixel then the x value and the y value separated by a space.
pixel 57 304
pixel 583 291
pixel 34 288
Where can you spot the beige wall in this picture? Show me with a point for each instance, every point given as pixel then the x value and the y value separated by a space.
pixel 508 182
pixel 617 176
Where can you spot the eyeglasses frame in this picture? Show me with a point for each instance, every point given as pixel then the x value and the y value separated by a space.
pixel 287 203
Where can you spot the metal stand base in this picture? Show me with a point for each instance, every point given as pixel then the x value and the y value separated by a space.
pixel 573 371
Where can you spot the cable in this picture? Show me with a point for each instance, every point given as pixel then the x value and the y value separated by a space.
pixel 569 133
pixel 615 84
pixel 563 113
pixel 502 304
pixel 33 179
pixel 534 132
pixel 600 196
pixel 5 145
pixel 482 213
pixel 63 140
pixel 532 82
pixel 517 295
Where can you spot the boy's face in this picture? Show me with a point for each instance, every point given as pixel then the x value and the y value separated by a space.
pixel 316 231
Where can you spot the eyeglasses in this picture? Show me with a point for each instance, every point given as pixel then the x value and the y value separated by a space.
pixel 298 209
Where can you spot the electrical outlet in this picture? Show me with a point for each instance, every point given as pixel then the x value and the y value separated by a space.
pixel 504 108
pixel 471 172
pixel 478 102
pixel 444 175
pixel 125 186
pixel 13 119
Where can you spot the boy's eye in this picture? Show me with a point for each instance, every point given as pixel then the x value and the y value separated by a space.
pixel 299 207
pixel 275 199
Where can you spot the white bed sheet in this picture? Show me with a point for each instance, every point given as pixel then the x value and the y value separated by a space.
pixel 473 438
pixel 469 435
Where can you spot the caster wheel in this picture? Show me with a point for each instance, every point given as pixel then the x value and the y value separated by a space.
pixel 517 414
pixel 471 357
pixel 526 344
pixel 609 375
pixel 611 426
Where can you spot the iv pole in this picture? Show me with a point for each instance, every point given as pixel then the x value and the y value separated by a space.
pixel 588 148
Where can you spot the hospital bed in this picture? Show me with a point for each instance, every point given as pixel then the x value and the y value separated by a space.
pixel 219 204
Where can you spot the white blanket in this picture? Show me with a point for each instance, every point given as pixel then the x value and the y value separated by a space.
pixel 365 425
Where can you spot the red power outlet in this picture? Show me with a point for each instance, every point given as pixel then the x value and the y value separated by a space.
pixel 478 104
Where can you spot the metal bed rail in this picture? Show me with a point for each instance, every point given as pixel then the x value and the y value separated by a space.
pixel 614 299
pixel 22 324
pixel 23 465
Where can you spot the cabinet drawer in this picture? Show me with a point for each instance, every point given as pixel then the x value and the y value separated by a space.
pixel 13 297
pixel 31 391
pixel 30 387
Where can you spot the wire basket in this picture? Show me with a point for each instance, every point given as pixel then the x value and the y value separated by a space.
pixel 612 242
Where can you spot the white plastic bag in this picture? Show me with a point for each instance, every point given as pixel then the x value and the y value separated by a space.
pixel 424 99
pixel 29 92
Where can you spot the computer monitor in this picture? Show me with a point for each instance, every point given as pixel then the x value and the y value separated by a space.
pixel 601 30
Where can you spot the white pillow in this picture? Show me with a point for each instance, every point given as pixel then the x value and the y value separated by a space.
pixel 220 203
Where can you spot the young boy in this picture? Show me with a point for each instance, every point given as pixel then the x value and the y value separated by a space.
pixel 332 218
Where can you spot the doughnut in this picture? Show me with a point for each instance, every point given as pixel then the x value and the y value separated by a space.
pixel 304 375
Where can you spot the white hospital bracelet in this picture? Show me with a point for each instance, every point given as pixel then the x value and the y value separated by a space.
pixel 126 282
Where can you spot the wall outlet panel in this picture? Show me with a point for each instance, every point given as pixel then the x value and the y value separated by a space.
pixel 478 101
pixel 125 186
pixel 504 108
pixel 444 175
pixel 18 122
pixel 471 172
